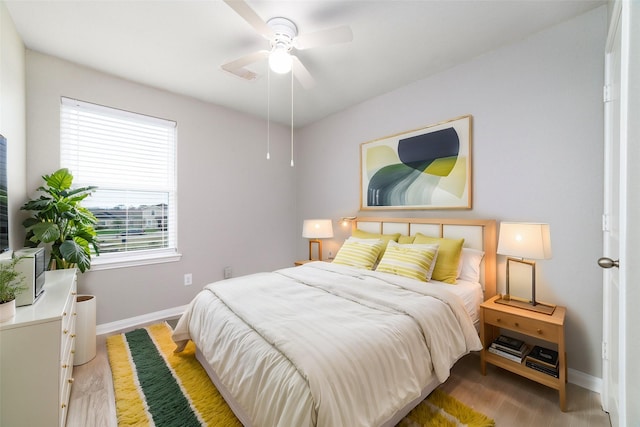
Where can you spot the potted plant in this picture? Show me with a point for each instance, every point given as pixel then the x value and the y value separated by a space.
pixel 59 220
pixel 10 285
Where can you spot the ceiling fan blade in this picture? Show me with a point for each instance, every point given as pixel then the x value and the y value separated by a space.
pixel 324 37
pixel 237 66
pixel 301 73
pixel 246 60
pixel 248 14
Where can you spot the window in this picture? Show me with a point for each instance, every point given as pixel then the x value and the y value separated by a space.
pixel 131 158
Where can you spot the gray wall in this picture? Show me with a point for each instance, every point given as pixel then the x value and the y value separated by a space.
pixel 235 208
pixel 12 119
pixel 537 156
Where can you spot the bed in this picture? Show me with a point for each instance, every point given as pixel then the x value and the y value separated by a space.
pixel 330 344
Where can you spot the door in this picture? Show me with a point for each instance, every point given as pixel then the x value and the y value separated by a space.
pixel 621 293
pixel 612 238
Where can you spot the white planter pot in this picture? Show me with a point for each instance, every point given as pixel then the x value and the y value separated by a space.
pixel 85 329
pixel 7 310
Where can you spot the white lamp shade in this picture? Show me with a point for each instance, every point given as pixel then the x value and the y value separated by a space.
pixel 525 240
pixel 317 228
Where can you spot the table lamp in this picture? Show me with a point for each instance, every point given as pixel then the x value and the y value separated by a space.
pixel 522 241
pixel 316 229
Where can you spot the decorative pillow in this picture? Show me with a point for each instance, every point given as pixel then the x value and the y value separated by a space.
pixel 414 261
pixel 404 240
pixel 469 267
pixel 361 253
pixel 386 238
pixel 367 241
pixel 446 269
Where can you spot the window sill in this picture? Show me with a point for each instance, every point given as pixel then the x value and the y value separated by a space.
pixel 99 263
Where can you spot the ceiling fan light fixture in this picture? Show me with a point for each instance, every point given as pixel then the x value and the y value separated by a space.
pixel 280 60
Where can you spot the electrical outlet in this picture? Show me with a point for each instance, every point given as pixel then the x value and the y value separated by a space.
pixel 227 272
pixel 188 279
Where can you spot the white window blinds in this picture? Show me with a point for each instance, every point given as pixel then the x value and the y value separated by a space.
pixel 131 158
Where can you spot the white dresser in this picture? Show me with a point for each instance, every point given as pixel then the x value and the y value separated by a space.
pixel 36 356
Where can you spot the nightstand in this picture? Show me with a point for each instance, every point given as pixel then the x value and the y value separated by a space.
pixel 304 261
pixel 550 328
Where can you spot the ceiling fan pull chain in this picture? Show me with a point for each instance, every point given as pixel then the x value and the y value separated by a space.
pixel 291 119
pixel 268 113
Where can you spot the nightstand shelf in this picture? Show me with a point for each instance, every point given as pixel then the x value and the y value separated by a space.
pixel 550 328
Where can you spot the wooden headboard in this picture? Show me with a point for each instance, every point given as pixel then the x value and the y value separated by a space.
pixel 477 233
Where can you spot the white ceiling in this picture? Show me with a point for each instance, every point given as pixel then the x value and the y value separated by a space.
pixel 179 45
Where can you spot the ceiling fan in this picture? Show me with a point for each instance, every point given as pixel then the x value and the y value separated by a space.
pixel 283 37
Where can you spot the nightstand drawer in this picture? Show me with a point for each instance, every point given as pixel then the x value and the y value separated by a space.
pixel 521 324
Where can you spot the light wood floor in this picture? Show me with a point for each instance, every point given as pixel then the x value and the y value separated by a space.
pixel 507 398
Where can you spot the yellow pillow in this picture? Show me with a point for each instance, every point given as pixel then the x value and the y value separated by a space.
pixel 412 261
pixel 404 240
pixel 359 253
pixel 386 238
pixel 446 269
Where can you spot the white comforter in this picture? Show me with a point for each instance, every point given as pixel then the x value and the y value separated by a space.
pixel 326 345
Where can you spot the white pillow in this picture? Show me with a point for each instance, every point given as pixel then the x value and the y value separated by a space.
pixel 410 260
pixel 469 266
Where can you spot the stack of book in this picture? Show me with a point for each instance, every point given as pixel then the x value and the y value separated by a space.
pixel 510 348
pixel 543 360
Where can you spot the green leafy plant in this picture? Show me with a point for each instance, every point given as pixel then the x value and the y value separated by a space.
pixel 10 281
pixel 59 219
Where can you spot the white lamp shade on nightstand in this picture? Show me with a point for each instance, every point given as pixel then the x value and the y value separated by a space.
pixel 525 240
pixel 316 229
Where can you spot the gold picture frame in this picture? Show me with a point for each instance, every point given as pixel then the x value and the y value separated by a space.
pixel 426 168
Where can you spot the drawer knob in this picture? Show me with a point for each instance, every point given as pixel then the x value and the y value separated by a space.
pixel 498 320
pixel 64 405
pixel 66 331
pixel 73 335
pixel 539 331
pixel 65 366
pixel 517 324
pixel 70 380
pixel 64 313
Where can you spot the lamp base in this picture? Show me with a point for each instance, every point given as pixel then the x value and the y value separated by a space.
pixel 527 305
pixel 311 243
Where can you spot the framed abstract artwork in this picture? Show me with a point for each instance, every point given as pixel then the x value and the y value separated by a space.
pixel 428 168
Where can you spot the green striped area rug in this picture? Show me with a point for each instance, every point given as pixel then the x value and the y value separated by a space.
pixel 156 387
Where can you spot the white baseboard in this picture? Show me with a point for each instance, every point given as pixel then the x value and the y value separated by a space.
pixel 107 328
pixel 585 380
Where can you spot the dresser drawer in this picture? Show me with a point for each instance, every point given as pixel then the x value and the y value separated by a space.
pixel 68 322
pixel 66 357
pixel 65 392
pixel 528 326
